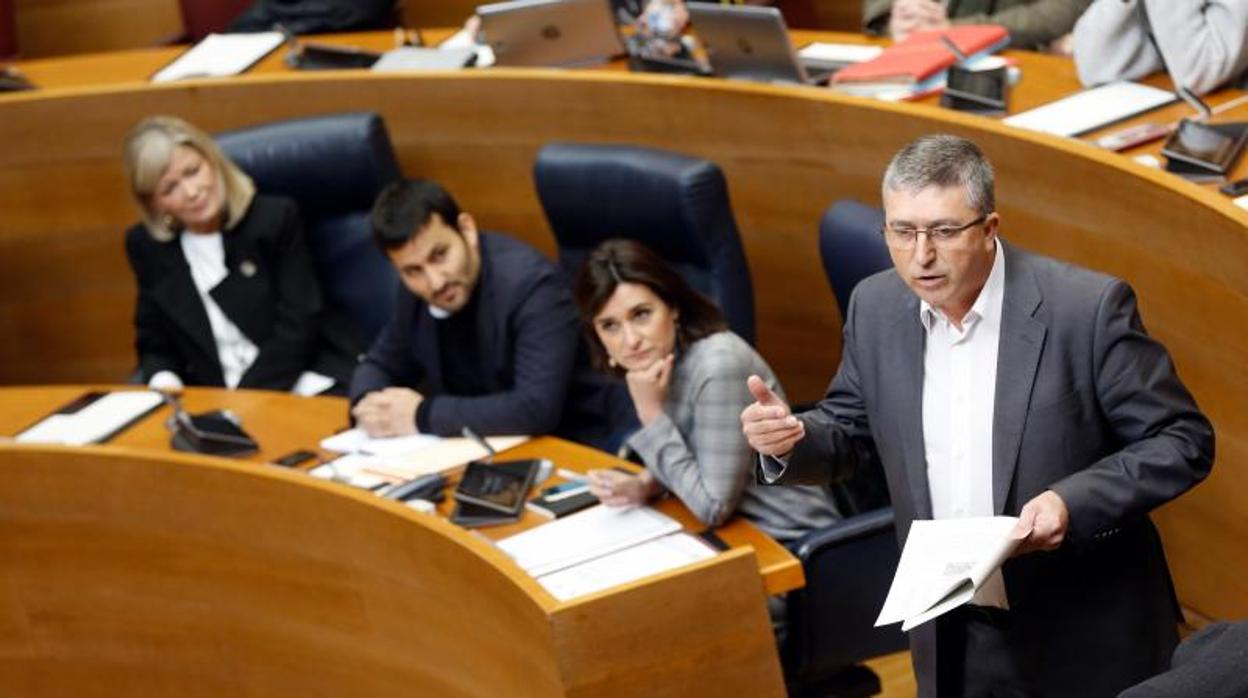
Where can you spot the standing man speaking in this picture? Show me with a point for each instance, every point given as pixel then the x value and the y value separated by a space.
pixel 990 381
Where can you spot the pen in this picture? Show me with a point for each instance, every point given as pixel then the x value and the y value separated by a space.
pixel 470 434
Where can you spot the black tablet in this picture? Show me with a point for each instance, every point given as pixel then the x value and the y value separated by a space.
pixel 980 91
pixel 213 433
pixel 502 486
pixel 1207 147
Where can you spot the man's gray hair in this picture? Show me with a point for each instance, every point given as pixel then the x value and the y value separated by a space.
pixel 942 160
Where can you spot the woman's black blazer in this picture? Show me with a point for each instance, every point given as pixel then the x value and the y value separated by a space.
pixel 271 293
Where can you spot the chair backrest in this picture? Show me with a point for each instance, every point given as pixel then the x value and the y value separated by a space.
pixel 8 28
pixel 851 247
pixel 674 204
pixel 334 166
pixel 833 617
pixel 203 17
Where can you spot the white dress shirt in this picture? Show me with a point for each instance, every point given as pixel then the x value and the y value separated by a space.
pixel 959 393
pixel 205 254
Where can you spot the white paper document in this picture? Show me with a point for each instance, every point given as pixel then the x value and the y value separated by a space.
pixel 839 53
pixel 944 563
pixel 219 55
pixel 94 422
pixel 423 58
pixel 351 469
pixel 1091 109
pixel 405 457
pixel 357 441
pixel 627 565
pixel 586 535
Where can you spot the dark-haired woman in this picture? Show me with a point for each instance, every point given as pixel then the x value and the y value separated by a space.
pixel 686 374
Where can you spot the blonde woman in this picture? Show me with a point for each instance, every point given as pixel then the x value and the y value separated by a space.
pixel 227 292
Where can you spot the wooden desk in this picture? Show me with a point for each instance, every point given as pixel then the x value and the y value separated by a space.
pixel 281 423
pixel 138 571
pixel 66 294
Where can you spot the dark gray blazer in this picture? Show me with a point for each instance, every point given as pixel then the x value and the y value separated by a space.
pixel 1088 405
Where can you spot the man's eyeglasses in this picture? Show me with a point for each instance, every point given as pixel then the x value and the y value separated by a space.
pixel 904 237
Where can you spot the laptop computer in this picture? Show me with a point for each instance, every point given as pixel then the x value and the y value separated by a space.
pixel 752 43
pixel 550 32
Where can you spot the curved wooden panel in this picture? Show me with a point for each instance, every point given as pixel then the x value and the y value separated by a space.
pixel 787 153
pixel 144 575
pixel 139 574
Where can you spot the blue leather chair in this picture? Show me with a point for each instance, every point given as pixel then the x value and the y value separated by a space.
pixel 850 564
pixel 334 166
pixel 851 246
pixel 674 204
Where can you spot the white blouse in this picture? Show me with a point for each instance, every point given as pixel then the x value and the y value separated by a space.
pixel 205 254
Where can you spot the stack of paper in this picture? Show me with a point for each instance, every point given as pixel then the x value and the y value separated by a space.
pixel 584 536
pixel 99 420
pixel 406 457
pixel 220 55
pixel 838 55
pixel 630 564
pixel 944 563
pixel 602 547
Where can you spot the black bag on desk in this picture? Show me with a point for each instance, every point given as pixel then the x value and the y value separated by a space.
pixel 308 56
pixel 210 433
pixel 316 16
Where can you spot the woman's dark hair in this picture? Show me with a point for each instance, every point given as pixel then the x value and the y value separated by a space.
pixel 619 261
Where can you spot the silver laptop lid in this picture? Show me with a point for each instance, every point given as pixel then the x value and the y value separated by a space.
pixel 748 43
pixel 550 32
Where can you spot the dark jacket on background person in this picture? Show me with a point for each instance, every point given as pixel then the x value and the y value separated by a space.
pixel 531 363
pixel 316 16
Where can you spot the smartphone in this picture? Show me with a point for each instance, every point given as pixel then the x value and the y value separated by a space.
pixel 295 458
pixel 1132 136
pixel 1235 189
pixel 564 490
pixel 563 487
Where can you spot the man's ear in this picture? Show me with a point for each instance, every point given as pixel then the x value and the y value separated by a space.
pixel 992 226
pixel 467 227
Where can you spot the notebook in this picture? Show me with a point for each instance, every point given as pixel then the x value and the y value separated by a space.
pixel 550 32
pixel 924 54
pixel 751 43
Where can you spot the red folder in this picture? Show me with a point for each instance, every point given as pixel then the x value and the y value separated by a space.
pixel 923 54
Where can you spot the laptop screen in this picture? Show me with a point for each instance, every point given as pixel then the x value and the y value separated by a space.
pixel 749 43
pixel 550 32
